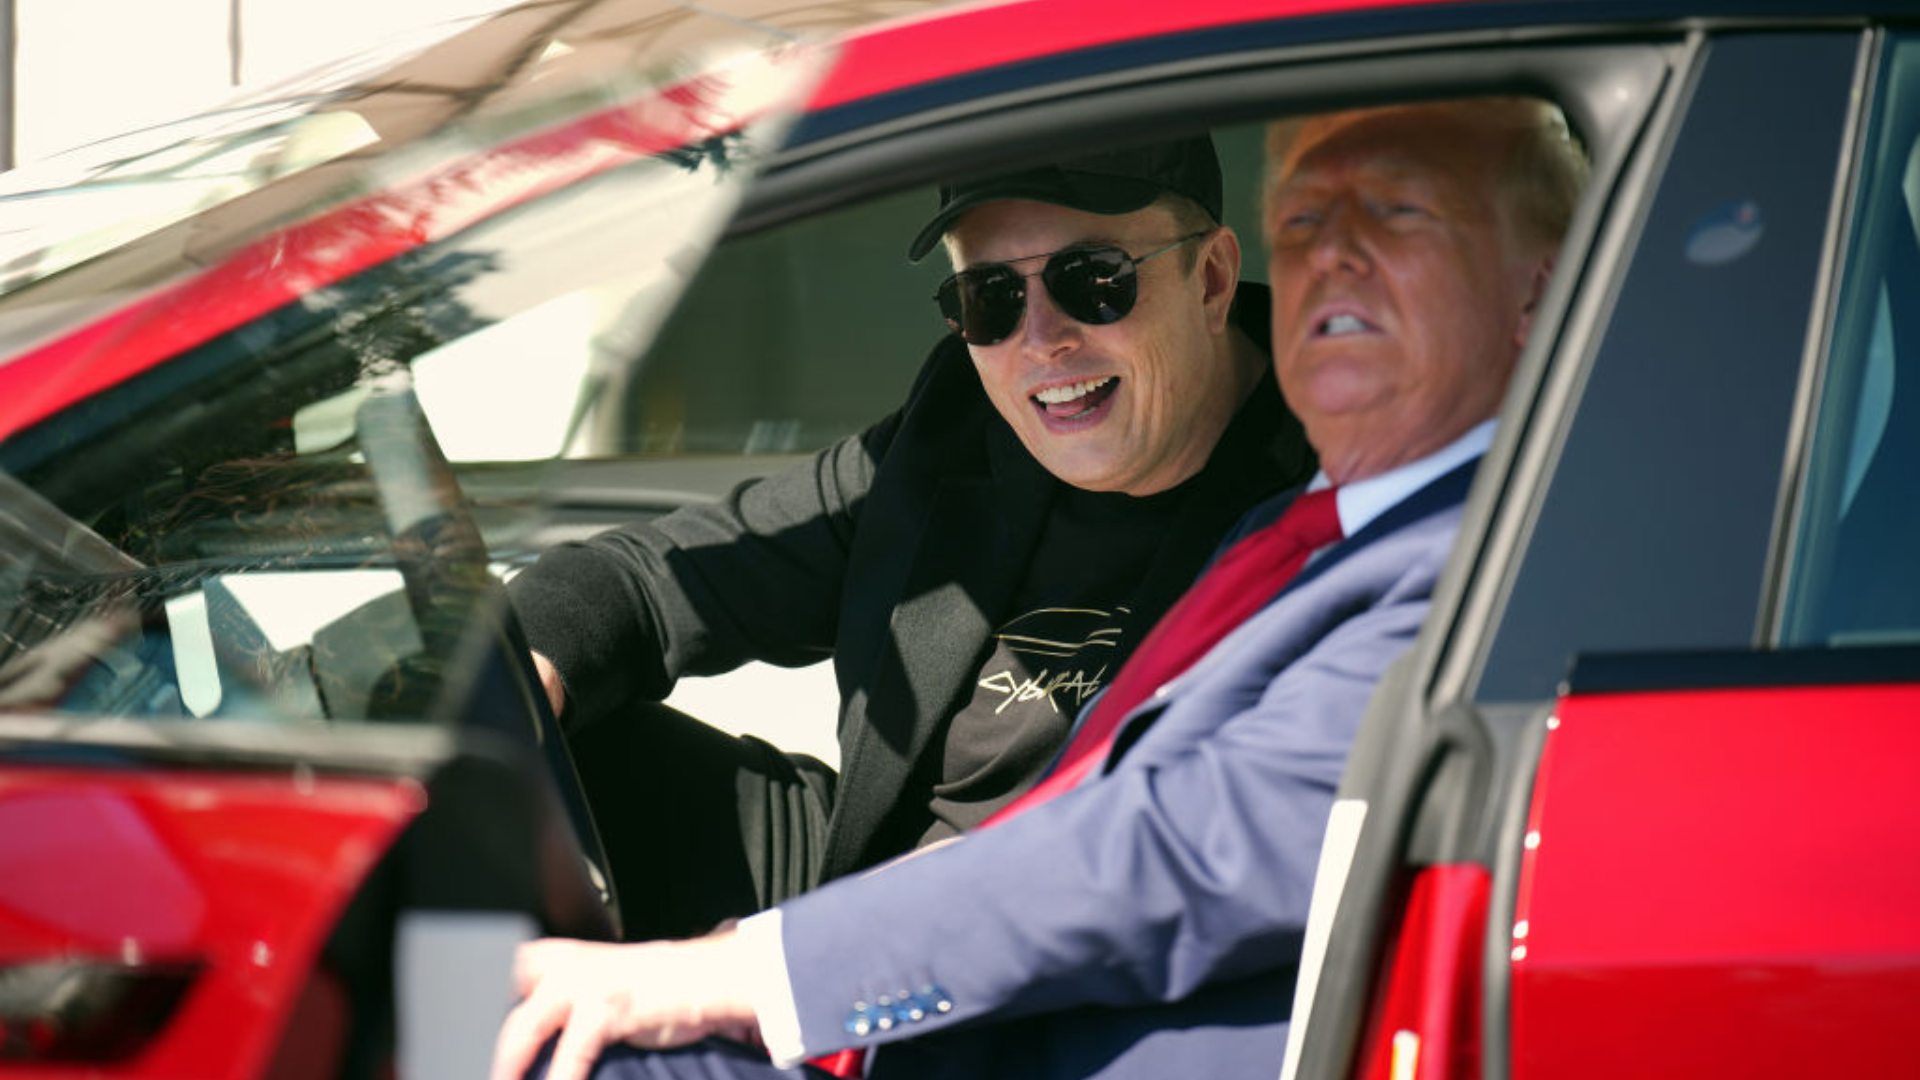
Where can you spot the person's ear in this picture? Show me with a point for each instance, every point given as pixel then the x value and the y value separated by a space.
pixel 1536 289
pixel 1219 276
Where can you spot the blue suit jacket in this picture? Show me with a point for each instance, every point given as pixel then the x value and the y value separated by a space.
pixel 1148 923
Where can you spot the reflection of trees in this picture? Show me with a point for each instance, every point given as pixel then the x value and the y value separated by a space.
pixel 205 479
pixel 405 307
pixel 219 488
pixel 721 153
pixel 153 461
pixel 228 479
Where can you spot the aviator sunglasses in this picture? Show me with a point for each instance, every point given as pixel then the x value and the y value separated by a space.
pixel 1094 285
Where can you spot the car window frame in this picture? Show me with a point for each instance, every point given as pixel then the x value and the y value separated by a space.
pixel 1450 802
pixel 1703 587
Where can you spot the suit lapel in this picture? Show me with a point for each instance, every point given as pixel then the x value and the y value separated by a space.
pixel 1449 489
pixel 938 627
pixel 943 619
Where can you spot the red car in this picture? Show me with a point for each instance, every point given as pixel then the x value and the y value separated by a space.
pixel 304 378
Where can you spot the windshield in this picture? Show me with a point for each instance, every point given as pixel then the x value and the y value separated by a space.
pixel 224 488
pixel 83 203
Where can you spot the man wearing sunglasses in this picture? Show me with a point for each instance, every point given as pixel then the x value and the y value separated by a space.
pixel 1146 919
pixel 977 564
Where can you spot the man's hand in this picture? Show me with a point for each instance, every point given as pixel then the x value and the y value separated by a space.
pixel 659 994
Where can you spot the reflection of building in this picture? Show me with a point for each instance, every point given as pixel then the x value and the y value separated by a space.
pixel 73 71
pixel 76 71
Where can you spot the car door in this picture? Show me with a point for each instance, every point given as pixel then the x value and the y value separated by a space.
pixel 1642 803
pixel 265 719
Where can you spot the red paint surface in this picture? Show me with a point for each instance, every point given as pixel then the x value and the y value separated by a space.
pixel 1726 883
pixel 244 875
pixel 1433 983
pixel 925 49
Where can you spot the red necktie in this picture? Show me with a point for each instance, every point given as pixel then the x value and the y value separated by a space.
pixel 1237 585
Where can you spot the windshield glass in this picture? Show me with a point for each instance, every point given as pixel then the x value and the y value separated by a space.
pixel 45 229
pixel 224 488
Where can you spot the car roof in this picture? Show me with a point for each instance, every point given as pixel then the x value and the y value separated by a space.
pixel 914 51
pixel 889 60
pixel 954 41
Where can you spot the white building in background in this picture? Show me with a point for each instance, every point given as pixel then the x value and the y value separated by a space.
pixel 75 71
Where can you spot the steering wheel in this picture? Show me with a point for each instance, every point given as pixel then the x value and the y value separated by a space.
pixel 470 637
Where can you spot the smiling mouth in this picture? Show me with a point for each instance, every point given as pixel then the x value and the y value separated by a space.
pixel 1342 325
pixel 1075 400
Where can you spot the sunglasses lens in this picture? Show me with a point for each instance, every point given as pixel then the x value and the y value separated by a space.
pixel 984 305
pixel 1094 285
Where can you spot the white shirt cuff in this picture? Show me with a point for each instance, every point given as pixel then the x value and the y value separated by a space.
pixel 770 989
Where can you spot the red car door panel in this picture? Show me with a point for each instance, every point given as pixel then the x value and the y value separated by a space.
pixel 1721 882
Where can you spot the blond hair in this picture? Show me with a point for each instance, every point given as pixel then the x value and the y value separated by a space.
pixel 1544 170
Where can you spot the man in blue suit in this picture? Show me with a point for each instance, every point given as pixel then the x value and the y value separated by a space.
pixel 1147 921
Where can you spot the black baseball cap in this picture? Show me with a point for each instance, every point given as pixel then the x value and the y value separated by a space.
pixel 1109 182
